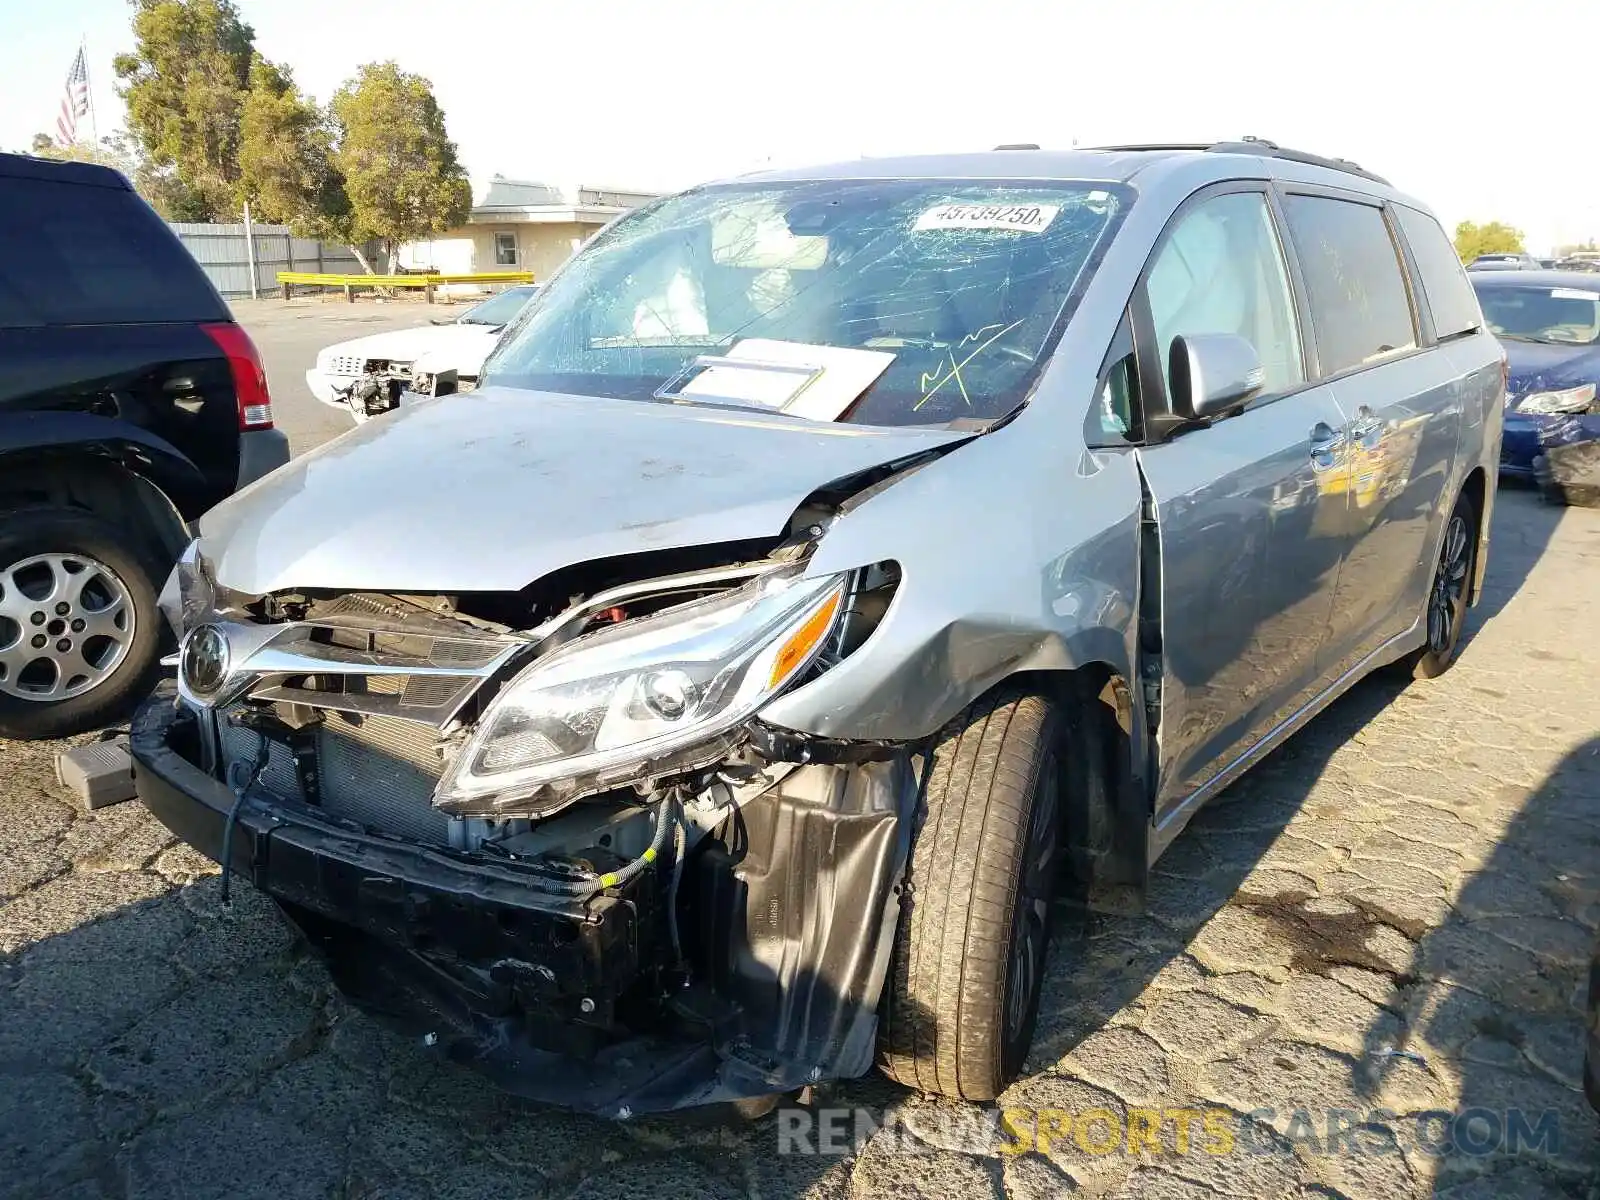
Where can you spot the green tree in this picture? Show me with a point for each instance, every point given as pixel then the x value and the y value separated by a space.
pixel 399 165
pixel 286 169
pixel 1496 237
pixel 185 85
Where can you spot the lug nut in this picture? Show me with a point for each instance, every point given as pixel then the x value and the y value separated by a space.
pixel 39 641
pixel 63 608
pixel 64 645
pixel 586 1005
pixel 79 625
pixel 37 618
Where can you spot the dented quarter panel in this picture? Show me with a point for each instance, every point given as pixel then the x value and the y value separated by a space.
pixel 492 491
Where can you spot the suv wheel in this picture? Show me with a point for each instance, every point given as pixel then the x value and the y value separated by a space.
pixel 79 627
pixel 963 993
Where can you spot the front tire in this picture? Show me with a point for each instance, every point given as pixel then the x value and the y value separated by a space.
pixel 79 627
pixel 963 994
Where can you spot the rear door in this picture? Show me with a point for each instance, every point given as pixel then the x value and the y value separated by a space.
pixel 1247 564
pixel 101 310
pixel 1403 398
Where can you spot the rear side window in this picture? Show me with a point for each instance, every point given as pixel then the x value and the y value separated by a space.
pixel 73 254
pixel 1359 307
pixel 1450 297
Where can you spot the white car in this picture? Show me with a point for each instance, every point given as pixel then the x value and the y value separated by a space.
pixel 386 362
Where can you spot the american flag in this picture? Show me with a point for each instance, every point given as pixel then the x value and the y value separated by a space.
pixel 75 103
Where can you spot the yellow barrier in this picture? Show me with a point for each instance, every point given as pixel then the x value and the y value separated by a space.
pixel 287 280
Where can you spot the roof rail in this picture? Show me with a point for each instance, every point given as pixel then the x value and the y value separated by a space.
pixel 1261 148
pixel 1133 148
pixel 1265 149
pixel 1018 146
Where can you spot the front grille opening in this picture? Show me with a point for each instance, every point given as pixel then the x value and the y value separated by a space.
pixel 376 772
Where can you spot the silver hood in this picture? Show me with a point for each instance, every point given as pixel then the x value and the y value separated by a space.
pixel 491 490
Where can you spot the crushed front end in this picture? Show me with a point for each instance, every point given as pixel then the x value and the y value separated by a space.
pixel 1568 464
pixel 549 828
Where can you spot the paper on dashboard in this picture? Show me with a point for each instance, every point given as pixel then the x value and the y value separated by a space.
pixel 798 378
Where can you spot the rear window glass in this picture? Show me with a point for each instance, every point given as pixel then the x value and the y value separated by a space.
pixel 1359 307
pixel 1444 281
pixel 72 254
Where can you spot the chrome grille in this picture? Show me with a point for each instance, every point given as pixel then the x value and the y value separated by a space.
pixel 376 771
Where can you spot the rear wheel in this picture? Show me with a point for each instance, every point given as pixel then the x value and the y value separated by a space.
pixel 79 627
pixel 963 994
pixel 1446 613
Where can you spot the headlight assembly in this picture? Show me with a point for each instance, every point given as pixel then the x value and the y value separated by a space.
pixel 652 696
pixel 1568 400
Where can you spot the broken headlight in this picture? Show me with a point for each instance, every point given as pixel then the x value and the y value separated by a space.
pixel 1568 400
pixel 642 699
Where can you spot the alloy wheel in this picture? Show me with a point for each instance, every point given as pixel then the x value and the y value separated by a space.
pixel 1449 587
pixel 66 624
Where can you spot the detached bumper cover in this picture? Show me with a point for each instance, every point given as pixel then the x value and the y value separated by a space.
pixel 469 951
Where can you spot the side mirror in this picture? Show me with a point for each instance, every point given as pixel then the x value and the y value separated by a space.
pixel 1212 373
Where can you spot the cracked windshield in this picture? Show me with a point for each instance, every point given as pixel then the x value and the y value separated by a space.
pixel 878 303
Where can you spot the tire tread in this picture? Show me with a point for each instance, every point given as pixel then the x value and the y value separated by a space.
pixel 943 1015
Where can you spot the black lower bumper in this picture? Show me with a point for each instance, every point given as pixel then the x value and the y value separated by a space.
pixel 539 991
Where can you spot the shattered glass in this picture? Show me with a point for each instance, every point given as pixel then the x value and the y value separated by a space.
pixel 964 282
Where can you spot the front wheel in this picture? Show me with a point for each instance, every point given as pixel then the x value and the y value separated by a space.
pixel 79 628
pixel 963 993
pixel 1446 613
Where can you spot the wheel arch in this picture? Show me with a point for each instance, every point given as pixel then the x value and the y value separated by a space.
pixel 74 437
pixel 61 478
pixel 1105 753
pixel 1476 487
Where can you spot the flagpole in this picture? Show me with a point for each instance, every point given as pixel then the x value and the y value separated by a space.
pixel 88 88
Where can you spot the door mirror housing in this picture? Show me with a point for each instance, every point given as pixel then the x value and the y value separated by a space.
pixel 1213 374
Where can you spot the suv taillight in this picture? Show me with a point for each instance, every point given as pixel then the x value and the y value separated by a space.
pixel 249 377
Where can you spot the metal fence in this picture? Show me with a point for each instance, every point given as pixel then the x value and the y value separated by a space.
pixel 224 255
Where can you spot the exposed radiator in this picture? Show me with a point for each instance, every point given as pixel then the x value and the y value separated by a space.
pixel 376 771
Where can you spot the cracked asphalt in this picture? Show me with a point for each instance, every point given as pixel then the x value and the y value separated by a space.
pixel 1393 912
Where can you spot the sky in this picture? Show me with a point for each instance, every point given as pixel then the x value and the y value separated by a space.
pixel 1446 98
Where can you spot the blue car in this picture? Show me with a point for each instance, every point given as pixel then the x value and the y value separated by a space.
pixel 1549 324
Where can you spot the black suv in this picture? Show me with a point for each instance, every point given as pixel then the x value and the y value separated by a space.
pixel 130 402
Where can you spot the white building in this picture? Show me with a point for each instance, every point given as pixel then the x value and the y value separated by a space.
pixel 522 226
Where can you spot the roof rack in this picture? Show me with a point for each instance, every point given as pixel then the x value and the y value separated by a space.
pixel 1266 149
pixel 1261 148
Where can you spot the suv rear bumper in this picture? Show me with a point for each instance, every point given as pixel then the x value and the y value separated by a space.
pixel 261 452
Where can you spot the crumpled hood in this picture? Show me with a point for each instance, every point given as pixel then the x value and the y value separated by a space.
pixel 467 342
pixel 1534 367
pixel 493 489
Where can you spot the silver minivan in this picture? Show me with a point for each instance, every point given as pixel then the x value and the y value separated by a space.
pixel 711 702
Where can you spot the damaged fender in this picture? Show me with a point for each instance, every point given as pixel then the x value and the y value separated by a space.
pixel 1057 590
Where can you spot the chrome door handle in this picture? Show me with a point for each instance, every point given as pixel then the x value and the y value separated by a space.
pixel 1367 428
pixel 1326 442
